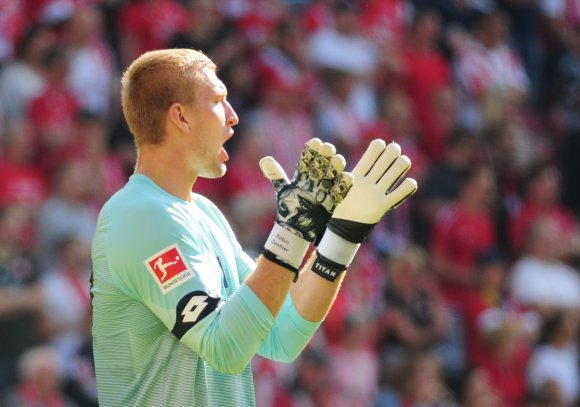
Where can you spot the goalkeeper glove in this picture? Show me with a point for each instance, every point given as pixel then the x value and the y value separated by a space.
pixel 376 189
pixel 306 203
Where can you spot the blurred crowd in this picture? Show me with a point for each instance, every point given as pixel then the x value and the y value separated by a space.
pixel 466 295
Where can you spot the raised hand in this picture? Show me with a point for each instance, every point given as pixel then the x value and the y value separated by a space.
pixel 306 203
pixel 378 187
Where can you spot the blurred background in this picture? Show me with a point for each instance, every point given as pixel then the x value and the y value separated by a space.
pixel 466 295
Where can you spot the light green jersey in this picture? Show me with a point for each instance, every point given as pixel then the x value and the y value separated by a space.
pixel 173 323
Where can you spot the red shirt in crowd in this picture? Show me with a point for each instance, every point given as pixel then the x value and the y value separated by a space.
pixel 426 72
pixel 508 377
pixel 459 236
pixel 530 213
pixel 21 185
pixel 151 24
pixel 385 21
pixel 52 116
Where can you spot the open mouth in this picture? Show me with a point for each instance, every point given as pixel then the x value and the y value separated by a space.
pixel 224 154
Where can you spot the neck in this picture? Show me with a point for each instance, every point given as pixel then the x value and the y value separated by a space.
pixel 166 169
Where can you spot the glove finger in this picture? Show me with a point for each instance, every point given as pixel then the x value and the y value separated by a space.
pixel 401 192
pixel 310 151
pixel 395 173
pixel 320 163
pixel 341 187
pixel 373 151
pixel 336 165
pixel 384 162
pixel 314 143
pixel 274 172
pixel 327 149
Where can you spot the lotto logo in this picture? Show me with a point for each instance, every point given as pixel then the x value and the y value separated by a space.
pixel 169 268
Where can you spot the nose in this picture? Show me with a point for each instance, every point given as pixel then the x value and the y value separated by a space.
pixel 232 116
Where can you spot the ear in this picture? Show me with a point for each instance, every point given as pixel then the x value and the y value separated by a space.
pixel 176 116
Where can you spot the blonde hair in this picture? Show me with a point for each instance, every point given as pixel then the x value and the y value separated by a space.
pixel 153 82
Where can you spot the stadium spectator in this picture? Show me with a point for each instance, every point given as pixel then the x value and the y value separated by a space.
pixel 506 357
pixel 148 25
pixel 362 294
pixel 487 63
pixel 425 74
pixel 52 113
pixel 22 80
pixel 66 301
pixel 523 18
pixel 283 61
pixel 385 23
pixel 479 392
pixel 421 383
pixel 441 185
pixel 317 15
pixel 462 232
pixel 553 367
pixel 541 187
pixel 397 121
pixel 342 47
pixel 20 296
pixel 40 381
pixel 354 363
pixel 91 146
pixel 66 210
pixel 415 316
pixel 540 279
pixel 280 124
pixel 23 183
pixel 488 298
pixel 92 74
pixel 336 119
pixel 310 385
pixel 566 113
pixel 209 29
pixel 12 28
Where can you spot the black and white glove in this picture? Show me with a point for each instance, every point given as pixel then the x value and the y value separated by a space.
pixel 306 203
pixel 377 188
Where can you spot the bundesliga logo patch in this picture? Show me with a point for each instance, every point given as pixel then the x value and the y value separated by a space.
pixel 169 268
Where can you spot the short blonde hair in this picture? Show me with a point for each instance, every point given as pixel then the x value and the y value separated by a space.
pixel 153 82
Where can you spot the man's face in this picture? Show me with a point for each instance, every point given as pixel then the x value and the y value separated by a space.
pixel 211 119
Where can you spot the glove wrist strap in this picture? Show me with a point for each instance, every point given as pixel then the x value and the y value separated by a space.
pixel 337 249
pixel 286 247
pixel 326 268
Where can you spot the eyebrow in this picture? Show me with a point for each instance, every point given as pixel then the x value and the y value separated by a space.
pixel 221 91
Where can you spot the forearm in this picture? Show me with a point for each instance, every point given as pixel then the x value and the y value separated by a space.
pixel 289 335
pixel 313 295
pixel 310 299
pixel 271 283
pixel 231 337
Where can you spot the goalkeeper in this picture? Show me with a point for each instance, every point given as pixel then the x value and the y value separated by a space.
pixel 179 309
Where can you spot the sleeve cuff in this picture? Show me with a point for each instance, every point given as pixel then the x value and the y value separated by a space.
pixel 301 325
pixel 255 306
